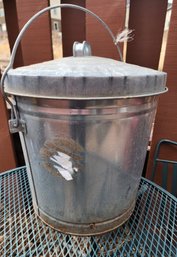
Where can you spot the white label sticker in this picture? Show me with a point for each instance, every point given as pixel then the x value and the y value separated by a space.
pixel 62 156
pixel 64 165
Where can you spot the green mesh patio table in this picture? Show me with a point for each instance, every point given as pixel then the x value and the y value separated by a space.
pixel 151 231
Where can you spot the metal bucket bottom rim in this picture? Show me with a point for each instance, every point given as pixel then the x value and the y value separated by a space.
pixel 91 229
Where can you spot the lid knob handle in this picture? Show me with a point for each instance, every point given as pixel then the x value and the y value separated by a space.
pixel 81 49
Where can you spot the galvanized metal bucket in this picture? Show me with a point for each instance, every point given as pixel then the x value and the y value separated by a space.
pixel 84 124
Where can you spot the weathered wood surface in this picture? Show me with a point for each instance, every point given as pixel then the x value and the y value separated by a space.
pixel 147 19
pixel 166 118
pixel 36 46
pixel 7 156
pixel 113 13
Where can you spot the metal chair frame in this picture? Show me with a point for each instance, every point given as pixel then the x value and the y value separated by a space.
pixel 165 167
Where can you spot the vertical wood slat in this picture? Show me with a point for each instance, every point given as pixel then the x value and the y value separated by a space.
pixel 147 18
pixel 73 26
pixel 7 157
pixel 12 25
pixel 166 117
pixel 77 26
pixel 113 13
pixel 36 45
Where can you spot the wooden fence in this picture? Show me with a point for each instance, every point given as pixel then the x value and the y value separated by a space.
pixel 147 18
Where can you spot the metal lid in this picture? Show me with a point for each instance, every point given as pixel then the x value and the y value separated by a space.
pixel 84 77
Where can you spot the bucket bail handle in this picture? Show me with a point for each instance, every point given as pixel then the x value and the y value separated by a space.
pixel 15 122
pixel 35 16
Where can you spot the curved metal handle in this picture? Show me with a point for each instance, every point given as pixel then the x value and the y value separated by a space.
pixel 14 116
pixel 10 65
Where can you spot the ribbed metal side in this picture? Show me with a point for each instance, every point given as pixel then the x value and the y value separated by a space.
pixel 151 231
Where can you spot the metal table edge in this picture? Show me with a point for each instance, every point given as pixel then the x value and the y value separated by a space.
pixel 142 178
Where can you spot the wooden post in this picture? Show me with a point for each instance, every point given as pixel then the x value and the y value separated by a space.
pixel 113 13
pixel 147 19
pixel 73 26
pixel 12 25
pixel 78 26
pixel 7 157
pixel 36 46
pixel 166 118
